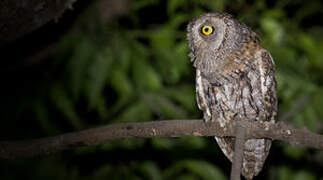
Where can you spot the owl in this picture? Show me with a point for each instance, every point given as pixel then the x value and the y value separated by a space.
pixel 234 80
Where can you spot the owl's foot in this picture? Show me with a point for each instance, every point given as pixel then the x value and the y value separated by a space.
pixel 207 118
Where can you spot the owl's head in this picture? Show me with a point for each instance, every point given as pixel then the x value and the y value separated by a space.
pixel 216 35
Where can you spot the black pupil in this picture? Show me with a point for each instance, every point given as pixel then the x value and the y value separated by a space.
pixel 206 29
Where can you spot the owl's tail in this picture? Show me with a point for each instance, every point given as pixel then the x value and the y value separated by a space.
pixel 255 153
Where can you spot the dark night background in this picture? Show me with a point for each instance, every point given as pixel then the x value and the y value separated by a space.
pixel 110 61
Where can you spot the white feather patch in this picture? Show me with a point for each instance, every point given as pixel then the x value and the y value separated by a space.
pixel 200 91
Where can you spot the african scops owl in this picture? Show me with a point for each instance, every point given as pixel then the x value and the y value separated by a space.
pixel 234 80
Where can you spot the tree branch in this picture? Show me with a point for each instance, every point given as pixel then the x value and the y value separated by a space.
pixel 20 17
pixel 238 153
pixel 167 128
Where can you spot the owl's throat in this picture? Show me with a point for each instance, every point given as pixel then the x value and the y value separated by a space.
pixel 210 64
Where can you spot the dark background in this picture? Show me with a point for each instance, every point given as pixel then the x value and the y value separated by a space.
pixel 127 61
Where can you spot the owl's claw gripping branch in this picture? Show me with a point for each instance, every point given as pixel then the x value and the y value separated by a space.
pixel 166 128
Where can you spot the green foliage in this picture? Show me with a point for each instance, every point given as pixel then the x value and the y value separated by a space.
pixel 198 169
pixel 65 105
pixel 285 173
pixel 136 68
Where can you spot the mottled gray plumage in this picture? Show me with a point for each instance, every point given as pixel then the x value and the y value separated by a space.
pixel 234 79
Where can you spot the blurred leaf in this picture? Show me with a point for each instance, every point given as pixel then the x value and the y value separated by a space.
pixel 273 28
pixel 186 177
pixel 143 3
pixel 273 13
pixel 162 38
pixel 78 64
pixel 121 83
pixel 136 112
pixel 124 88
pixel 145 76
pixel 194 142
pixel 311 119
pixel 124 54
pixel 172 6
pixel 102 107
pixel 66 47
pixel 131 144
pixel 306 42
pixel 103 172
pixel 162 143
pixel 218 5
pixel 176 22
pixel 184 95
pixel 172 66
pixel 65 105
pixel 98 72
pixel 317 103
pixel 84 150
pixel 164 106
pixel 43 116
pixel 285 173
pixel 150 170
pixel 304 175
pixel 294 152
pixel 285 58
pixel 204 170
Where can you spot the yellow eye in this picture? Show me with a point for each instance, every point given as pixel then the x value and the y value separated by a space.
pixel 207 30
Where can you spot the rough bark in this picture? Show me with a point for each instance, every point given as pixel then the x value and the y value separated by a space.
pixel 238 152
pixel 167 128
pixel 18 17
